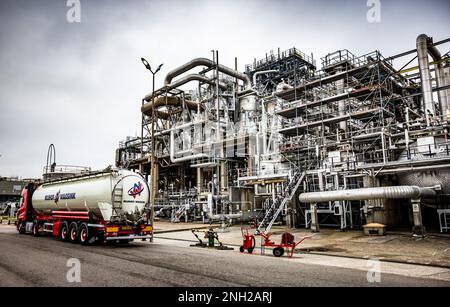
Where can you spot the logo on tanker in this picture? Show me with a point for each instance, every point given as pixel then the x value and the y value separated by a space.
pixel 56 197
pixel 136 189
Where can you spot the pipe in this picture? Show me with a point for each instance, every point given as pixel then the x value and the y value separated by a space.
pixel 208 63
pixel 256 74
pixel 440 75
pixel 196 77
pixel 446 72
pixel 425 77
pixel 342 103
pixel 249 91
pixel 184 80
pixel 393 192
pixel 172 150
pixel 163 101
pixel 220 216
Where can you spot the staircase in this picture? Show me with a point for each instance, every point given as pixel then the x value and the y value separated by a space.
pixel 280 203
pixel 178 214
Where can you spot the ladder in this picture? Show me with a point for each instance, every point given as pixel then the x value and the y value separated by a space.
pixel 117 200
pixel 273 212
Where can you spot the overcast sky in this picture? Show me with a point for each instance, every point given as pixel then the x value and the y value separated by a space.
pixel 80 85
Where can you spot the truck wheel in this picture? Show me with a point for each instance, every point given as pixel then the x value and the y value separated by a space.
pixel 73 233
pixel 84 235
pixel 35 229
pixel 278 251
pixel 64 232
pixel 241 249
pixel 250 250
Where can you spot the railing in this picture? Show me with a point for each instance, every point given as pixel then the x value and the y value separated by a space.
pixel 66 169
pixel 245 172
pixel 346 56
pixel 273 212
pixel 280 56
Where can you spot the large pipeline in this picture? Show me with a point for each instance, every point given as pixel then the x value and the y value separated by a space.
pixel 425 77
pixel 208 63
pixel 169 85
pixel 394 192
pixel 163 101
pixel 182 81
pixel 425 47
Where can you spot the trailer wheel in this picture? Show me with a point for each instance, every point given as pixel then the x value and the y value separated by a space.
pixel 21 227
pixel 73 233
pixel 35 229
pixel 278 251
pixel 64 232
pixel 84 235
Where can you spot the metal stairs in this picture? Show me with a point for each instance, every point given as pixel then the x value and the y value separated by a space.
pixel 280 203
pixel 178 214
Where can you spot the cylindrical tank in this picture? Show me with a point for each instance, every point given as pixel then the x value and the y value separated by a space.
pixel 121 194
pixel 248 103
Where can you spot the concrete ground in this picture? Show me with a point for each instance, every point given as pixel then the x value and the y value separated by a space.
pixel 43 261
pixel 397 247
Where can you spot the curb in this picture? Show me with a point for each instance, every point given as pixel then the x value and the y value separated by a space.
pixel 334 255
pixel 383 260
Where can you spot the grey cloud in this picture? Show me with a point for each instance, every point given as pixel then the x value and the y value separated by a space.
pixel 79 86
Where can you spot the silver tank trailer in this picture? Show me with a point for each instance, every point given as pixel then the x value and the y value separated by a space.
pixel 96 193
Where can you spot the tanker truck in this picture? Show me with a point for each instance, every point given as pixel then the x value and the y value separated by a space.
pixel 103 206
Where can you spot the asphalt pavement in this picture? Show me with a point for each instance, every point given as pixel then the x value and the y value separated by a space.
pixel 44 261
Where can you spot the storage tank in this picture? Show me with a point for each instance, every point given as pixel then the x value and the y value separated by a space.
pixel 120 194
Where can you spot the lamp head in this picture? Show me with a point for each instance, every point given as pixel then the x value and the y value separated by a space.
pixel 146 64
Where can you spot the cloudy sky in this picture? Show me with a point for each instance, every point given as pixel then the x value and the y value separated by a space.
pixel 79 85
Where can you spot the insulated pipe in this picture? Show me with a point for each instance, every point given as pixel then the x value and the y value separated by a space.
pixel 221 216
pixel 160 114
pixel 256 74
pixel 182 159
pixel 443 99
pixel 342 103
pixel 184 80
pixel 208 63
pixel 440 75
pixel 163 101
pixel 196 77
pixel 395 192
pixel 425 77
pixel 447 91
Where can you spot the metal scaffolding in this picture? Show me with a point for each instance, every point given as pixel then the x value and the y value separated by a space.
pixel 244 146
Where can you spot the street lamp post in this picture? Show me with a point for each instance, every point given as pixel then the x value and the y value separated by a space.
pixel 152 154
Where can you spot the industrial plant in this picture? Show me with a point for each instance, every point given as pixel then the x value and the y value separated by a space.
pixel 340 141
